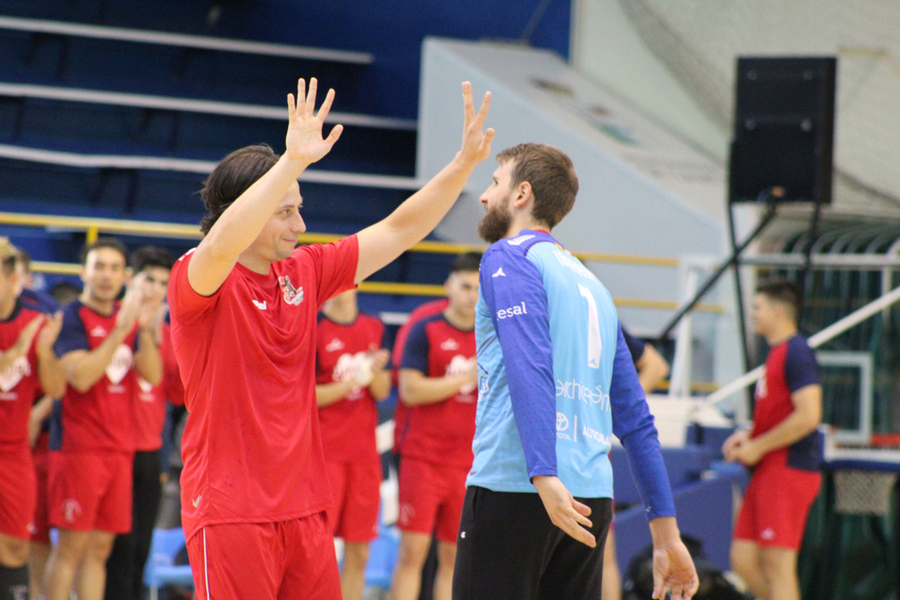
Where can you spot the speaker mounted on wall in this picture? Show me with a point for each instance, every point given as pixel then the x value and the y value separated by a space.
pixel 783 128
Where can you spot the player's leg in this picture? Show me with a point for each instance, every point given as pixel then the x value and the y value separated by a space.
pixel 447 529
pixel 443 580
pixel 13 567
pixel 308 564
pixel 575 570
pixel 92 577
pixel 147 497
pixel 779 566
pixel 37 568
pixel 359 523
pixel 63 563
pixel 747 563
pixel 420 494
pixel 612 579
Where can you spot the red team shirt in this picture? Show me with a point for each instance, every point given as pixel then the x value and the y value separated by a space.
pixel 102 418
pixel 252 446
pixel 790 366
pixel 348 425
pixel 150 403
pixel 19 384
pixel 441 432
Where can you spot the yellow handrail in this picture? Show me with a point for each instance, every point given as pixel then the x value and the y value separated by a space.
pixel 94 226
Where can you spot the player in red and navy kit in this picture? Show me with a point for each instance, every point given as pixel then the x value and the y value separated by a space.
pixel 438 382
pixel 782 448
pixel 103 346
pixel 27 365
pixel 125 565
pixel 243 306
pixel 350 379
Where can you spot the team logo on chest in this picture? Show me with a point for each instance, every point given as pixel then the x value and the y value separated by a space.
pixel 14 374
pixel 120 364
pixel 291 294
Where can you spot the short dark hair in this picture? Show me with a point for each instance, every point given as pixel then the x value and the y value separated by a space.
pixel 231 178
pixel 785 292
pixel 64 292
pixel 466 262
pixel 104 242
pixel 151 256
pixel 551 175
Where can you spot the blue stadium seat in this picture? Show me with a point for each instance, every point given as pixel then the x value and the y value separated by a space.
pixel 161 569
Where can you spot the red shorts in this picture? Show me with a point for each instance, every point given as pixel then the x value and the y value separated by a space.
pixel 431 498
pixel 356 490
pixel 266 561
pixel 18 493
pixel 41 532
pixel 91 490
pixel 776 505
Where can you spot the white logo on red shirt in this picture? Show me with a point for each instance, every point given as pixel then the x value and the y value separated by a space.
pixel 71 510
pixel 14 374
pixel 334 345
pixel 146 388
pixel 291 294
pixel 99 331
pixel 260 305
pixel 449 344
pixel 120 364
pixel 459 365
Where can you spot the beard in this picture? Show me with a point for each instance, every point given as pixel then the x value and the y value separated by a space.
pixel 495 224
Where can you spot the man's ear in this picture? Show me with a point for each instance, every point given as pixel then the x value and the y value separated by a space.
pixel 523 194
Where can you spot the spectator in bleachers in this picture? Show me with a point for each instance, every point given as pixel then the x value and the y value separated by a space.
pixel 125 566
pixel 782 448
pixel 243 308
pixel 28 367
pixel 103 346
pixel 350 379
pixel 438 382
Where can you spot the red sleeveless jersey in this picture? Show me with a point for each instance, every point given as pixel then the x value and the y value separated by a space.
pixel 19 384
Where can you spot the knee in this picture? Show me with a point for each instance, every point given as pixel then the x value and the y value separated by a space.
pixel 99 547
pixel 412 555
pixel 13 552
pixel 446 555
pixel 744 562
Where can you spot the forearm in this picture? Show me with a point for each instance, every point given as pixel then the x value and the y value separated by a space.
pixel 83 373
pixel 795 427
pixel 380 388
pixel 242 222
pixel 51 375
pixel 664 531
pixel 411 221
pixel 148 360
pixel 9 357
pixel 430 390
pixel 652 369
pixel 329 393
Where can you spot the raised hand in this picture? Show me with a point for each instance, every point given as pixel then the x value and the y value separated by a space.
pixel 26 337
pixel 304 142
pixel 565 512
pixel 131 303
pixel 48 334
pixel 476 145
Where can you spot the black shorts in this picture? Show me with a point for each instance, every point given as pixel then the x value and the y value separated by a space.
pixel 508 549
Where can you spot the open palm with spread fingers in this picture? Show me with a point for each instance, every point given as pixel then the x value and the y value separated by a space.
pixel 476 146
pixel 304 142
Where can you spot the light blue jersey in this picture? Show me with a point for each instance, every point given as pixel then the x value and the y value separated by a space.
pixel 556 378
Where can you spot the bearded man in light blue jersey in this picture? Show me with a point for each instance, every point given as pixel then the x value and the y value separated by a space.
pixel 556 380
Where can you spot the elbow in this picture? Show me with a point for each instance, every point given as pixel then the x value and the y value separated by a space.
pixel 80 384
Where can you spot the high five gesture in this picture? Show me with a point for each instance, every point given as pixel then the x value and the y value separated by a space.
pixel 476 146
pixel 304 142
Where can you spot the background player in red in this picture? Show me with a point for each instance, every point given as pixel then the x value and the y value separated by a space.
pixel 438 381
pixel 782 448
pixel 350 379
pixel 125 565
pixel 243 307
pixel 101 346
pixel 27 364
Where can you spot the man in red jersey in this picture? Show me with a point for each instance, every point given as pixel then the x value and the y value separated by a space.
pixel 782 448
pixel 243 307
pixel 438 381
pixel 125 565
pixel 103 347
pixel 27 365
pixel 350 379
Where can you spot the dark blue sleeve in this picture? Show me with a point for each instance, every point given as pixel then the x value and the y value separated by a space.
pixel 635 346
pixel 633 425
pixel 72 336
pixel 527 351
pixel 39 301
pixel 415 352
pixel 800 369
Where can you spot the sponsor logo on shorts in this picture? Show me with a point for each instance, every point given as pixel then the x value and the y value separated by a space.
pixel 767 534
pixel 71 510
pixel 291 294
pixel 407 513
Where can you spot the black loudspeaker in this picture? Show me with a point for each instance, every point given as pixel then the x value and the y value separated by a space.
pixel 783 129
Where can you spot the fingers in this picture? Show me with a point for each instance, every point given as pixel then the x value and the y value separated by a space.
pixel 311 96
pixel 582 509
pixel 335 135
pixel 468 106
pixel 326 106
pixel 292 108
pixel 485 105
